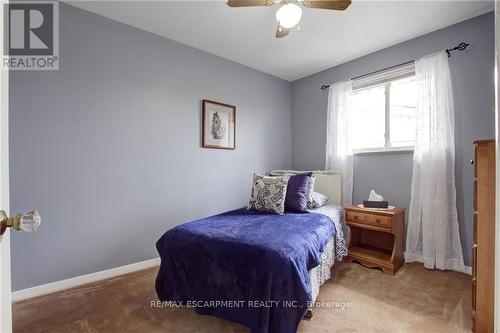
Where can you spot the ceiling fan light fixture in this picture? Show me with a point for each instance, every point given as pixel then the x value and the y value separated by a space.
pixel 289 15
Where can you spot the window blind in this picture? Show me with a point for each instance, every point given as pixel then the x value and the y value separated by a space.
pixel 385 76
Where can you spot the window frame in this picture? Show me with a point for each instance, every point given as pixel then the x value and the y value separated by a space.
pixel 384 78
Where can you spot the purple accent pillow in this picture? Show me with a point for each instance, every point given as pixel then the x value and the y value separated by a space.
pixel 297 193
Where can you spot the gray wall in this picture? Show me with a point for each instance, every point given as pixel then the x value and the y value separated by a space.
pixel 108 147
pixel 390 174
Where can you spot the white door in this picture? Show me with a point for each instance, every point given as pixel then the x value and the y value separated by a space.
pixel 5 300
pixel 5 292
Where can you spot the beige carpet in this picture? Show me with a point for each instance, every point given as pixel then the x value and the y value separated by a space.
pixel 414 300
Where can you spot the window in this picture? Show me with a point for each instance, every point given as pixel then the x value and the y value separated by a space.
pixel 384 115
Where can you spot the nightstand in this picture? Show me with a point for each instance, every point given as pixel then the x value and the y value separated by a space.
pixel 377 237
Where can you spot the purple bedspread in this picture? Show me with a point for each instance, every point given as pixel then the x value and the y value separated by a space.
pixel 260 262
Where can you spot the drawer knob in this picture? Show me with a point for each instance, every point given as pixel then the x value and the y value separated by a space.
pixel 377 220
pixel 355 217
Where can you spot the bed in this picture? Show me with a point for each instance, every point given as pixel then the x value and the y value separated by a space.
pixel 257 269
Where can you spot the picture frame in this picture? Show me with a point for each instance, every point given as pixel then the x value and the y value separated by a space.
pixel 218 125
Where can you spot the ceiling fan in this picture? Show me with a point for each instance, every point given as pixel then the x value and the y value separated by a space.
pixel 290 11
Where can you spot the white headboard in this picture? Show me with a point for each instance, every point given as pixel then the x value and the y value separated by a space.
pixel 327 182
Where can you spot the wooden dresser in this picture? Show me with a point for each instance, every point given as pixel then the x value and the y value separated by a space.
pixel 377 237
pixel 483 250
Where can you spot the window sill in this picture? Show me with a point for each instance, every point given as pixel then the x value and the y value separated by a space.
pixel 385 150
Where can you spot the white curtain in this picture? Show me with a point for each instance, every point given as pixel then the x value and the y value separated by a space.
pixel 338 145
pixel 432 234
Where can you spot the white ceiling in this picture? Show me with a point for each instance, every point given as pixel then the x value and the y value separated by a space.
pixel 327 38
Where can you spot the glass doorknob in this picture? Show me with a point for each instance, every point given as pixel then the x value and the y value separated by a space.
pixel 28 222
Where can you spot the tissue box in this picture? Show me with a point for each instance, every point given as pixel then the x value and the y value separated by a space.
pixel 375 204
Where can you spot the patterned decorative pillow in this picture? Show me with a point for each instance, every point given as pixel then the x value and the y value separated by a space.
pixel 317 200
pixel 310 191
pixel 268 194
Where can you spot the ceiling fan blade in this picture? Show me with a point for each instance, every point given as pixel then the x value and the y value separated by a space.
pixel 281 32
pixel 328 4
pixel 249 3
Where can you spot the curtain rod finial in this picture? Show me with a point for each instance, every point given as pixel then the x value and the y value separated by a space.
pixel 460 47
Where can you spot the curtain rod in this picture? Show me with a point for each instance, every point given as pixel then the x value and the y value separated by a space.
pixel 460 47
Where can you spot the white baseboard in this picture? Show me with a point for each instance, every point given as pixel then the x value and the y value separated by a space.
pixel 76 281
pixel 83 279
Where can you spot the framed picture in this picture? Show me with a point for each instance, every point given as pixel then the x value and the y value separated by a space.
pixel 219 125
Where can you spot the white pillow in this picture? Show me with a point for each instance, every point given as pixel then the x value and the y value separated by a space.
pixel 317 200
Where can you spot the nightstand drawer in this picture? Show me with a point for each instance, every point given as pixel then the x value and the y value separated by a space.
pixel 355 217
pixel 383 221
